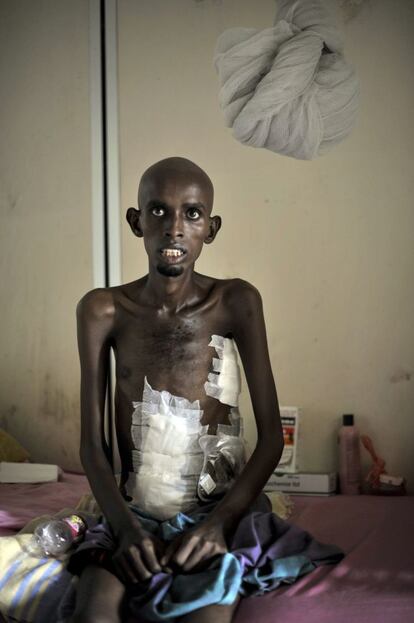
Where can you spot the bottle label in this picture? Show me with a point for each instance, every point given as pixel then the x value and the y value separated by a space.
pixel 76 525
pixel 207 483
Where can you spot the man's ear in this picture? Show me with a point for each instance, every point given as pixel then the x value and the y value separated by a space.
pixel 214 226
pixel 133 218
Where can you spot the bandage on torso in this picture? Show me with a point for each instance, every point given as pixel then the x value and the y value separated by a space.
pixel 171 446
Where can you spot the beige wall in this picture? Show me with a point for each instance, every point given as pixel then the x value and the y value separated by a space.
pixel 329 243
pixel 44 221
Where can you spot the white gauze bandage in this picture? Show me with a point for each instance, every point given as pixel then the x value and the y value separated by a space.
pixel 224 382
pixel 167 458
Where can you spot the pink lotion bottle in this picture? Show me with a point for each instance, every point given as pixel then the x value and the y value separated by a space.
pixel 349 457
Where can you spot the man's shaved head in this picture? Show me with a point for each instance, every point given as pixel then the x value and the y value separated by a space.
pixel 179 170
pixel 175 200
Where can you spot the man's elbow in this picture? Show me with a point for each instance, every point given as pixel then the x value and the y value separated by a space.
pixel 90 455
pixel 271 445
pixel 277 449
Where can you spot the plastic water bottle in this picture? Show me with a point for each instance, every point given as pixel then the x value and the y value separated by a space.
pixel 56 536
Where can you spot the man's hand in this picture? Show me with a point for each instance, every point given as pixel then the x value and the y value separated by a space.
pixel 195 546
pixel 137 556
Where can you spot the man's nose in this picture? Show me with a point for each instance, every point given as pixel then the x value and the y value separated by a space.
pixel 174 227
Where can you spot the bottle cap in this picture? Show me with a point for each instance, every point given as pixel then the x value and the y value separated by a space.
pixel 348 419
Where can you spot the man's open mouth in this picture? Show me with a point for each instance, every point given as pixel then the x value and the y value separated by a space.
pixel 173 254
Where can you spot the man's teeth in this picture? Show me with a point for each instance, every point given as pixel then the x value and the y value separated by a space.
pixel 172 252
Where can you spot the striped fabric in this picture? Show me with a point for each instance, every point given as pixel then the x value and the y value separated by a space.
pixel 30 587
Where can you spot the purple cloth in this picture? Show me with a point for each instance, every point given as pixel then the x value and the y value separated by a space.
pixel 264 552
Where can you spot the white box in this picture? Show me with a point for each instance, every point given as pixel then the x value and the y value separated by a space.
pixel 306 483
pixel 289 461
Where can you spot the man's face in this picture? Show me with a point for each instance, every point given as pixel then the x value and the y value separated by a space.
pixel 175 217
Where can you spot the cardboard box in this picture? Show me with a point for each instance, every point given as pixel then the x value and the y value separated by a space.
pixel 289 461
pixel 306 483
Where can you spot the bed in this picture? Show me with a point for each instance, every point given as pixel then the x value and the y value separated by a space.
pixel 374 583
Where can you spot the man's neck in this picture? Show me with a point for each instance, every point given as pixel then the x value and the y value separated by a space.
pixel 170 294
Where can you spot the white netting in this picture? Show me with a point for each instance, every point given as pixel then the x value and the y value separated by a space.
pixel 281 89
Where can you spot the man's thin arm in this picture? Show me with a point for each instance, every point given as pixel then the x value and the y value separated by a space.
pixel 250 336
pixel 95 317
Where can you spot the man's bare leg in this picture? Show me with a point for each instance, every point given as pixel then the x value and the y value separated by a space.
pixel 212 614
pixel 99 597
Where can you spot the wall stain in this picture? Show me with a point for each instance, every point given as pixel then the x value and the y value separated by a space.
pixel 352 8
pixel 8 417
pixel 214 2
pixel 400 376
pixel 57 407
pixel 12 202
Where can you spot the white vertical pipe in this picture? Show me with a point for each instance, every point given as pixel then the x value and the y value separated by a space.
pixel 106 240
pixel 112 181
pixel 112 142
pixel 97 177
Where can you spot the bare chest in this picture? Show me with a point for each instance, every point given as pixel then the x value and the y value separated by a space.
pixel 173 354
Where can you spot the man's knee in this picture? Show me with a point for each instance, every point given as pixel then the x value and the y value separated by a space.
pixel 94 617
pixel 99 597
pixel 212 614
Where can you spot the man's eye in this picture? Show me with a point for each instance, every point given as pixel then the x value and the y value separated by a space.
pixel 193 213
pixel 157 211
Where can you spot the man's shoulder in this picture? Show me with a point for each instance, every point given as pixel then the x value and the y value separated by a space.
pixel 101 303
pixel 97 304
pixel 238 290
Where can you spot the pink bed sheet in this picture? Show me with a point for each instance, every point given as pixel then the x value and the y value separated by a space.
pixel 374 583
pixel 19 503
